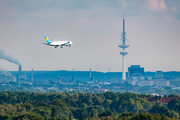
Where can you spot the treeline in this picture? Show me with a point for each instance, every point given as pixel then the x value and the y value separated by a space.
pixel 109 105
pixel 123 116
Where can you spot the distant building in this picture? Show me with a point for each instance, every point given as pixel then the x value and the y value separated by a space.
pixel 23 77
pixel 135 72
pixel 6 76
pixel 145 83
pixel 7 79
pixel 163 100
pixel 153 82
pixel 132 82
pixel 175 83
pixel 158 82
pixel 162 82
pixel 159 75
pixel 59 80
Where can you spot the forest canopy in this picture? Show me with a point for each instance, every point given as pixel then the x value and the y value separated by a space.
pixel 108 105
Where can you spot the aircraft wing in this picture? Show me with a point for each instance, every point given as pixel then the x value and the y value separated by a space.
pixel 65 43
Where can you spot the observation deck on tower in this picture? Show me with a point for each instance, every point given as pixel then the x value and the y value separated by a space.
pixel 123 53
pixel 123 46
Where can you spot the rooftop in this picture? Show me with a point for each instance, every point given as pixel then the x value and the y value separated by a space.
pixel 163 100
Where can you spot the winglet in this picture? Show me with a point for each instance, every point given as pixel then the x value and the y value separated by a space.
pixel 47 40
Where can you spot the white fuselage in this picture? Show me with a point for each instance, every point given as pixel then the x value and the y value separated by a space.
pixel 58 43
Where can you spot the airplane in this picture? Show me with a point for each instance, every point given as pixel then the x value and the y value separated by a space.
pixel 57 43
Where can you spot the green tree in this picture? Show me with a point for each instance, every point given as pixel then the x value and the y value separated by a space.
pixel 158 103
pixel 54 112
pixel 111 96
pixel 157 116
pixel 173 103
pixel 174 95
pixel 98 99
pixel 160 90
pixel 163 117
pixel 38 118
pixel 174 114
pixel 142 116
pixel 5 117
pixel 106 113
pixel 28 116
pixel 129 105
pixel 107 103
pixel 43 111
pixel 82 116
pixel 28 106
pixel 160 109
pixel 146 104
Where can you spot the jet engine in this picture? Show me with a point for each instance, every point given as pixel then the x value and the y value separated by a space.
pixel 68 45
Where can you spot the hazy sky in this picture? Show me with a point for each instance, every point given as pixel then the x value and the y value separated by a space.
pixel 94 27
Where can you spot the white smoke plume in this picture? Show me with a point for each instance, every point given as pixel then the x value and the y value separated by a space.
pixel 8 57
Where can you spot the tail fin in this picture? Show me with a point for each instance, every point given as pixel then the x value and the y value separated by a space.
pixel 47 40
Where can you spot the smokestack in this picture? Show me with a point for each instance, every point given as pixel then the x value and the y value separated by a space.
pixel 32 75
pixel 19 73
pixel 8 57
pixel 90 73
pixel 11 59
pixel 20 69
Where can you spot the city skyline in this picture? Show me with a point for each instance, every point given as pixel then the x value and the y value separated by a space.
pixel 95 29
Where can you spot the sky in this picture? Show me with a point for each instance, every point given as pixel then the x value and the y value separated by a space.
pixel 94 27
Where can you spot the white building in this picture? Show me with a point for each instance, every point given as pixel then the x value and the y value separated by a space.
pixel 7 79
pixel 145 83
pixel 162 82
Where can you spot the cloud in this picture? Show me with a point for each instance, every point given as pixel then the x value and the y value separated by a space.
pixel 157 5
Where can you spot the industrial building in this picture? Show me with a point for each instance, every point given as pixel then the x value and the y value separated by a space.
pixel 145 83
pixel 136 77
pixel 135 72
pixel 162 82
pixel 6 76
pixel 159 75
pixel 22 78
pixel 153 82
pixel 7 79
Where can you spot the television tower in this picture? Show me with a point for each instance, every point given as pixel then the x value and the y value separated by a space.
pixel 123 53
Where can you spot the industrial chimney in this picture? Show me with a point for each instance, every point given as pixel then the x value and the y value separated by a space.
pixel 19 73
pixel 32 75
